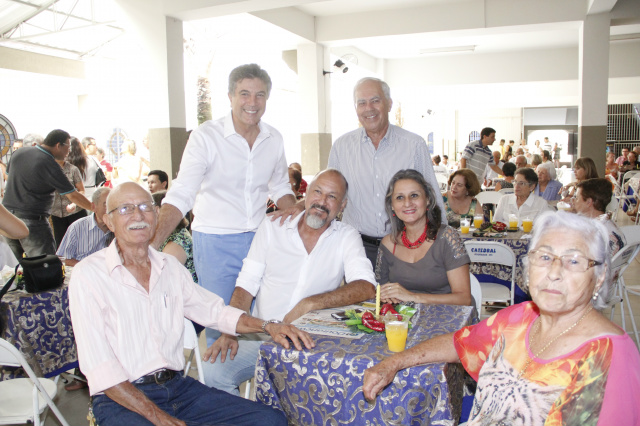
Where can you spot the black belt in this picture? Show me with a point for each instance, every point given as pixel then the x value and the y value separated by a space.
pixel 159 377
pixel 29 216
pixel 371 240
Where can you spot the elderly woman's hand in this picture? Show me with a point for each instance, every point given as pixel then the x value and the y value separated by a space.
pixel 377 377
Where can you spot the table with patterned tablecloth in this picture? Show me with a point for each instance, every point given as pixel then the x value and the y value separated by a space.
pixel 39 325
pixel 323 386
pixel 519 243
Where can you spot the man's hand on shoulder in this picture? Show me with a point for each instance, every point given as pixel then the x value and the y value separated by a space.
pixel 221 346
pixel 283 214
pixel 283 334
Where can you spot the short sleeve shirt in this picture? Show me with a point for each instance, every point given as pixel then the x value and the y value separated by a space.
pixel 478 156
pixel 597 383
pixel 446 254
pixel 60 202
pixel 34 175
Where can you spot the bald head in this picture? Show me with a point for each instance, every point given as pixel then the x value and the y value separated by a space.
pixel 326 198
pixel 125 191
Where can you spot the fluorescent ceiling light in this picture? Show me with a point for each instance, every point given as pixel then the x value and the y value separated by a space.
pixel 450 49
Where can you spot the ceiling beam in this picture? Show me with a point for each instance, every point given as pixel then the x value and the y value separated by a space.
pixel 600 6
pixel 24 17
pixel 436 17
pixel 291 19
pixel 187 10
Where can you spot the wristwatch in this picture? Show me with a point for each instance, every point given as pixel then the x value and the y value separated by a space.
pixel 266 323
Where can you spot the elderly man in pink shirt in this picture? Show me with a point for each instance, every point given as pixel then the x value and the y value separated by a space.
pixel 127 305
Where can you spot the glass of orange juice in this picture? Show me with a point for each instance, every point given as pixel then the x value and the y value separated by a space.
pixel 527 224
pixel 464 225
pixel 396 330
pixel 477 220
pixel 513 221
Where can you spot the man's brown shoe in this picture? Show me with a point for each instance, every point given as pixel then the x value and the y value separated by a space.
pixel 75 385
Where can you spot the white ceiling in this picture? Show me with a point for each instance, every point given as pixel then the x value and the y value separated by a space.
pixel 77 28
pixel 340 7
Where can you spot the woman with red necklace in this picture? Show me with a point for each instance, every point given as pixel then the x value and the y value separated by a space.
pixel 421 260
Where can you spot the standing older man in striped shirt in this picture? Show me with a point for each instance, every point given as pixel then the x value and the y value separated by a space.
pixel 477 155
pixel 89 234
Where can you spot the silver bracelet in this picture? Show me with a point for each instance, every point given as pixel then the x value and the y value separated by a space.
pixel 264 324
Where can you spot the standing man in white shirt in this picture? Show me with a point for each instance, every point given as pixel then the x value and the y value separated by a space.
pixel 233 165
pixel 293 269
pixel 368 157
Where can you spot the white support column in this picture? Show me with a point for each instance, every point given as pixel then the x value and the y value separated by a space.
pixel 594 88
pixel 315 137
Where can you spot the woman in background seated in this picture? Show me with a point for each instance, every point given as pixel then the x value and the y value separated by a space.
pixel 422 260
pixel 460 199
pixel 611 167
pixel 552 361
pixel 548 187
pixel 584 168
pixel 508 171
pixel 523 202
pixel 179 244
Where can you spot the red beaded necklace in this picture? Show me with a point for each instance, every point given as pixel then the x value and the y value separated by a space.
pixel 417 243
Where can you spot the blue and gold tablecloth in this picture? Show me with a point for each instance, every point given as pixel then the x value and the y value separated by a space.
pixel 323 386
pixel 39 325
pixel 502 274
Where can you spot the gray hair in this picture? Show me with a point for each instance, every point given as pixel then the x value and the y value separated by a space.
pixel 385 87
pixel 596 238
pixel 250 71
pixel 32 139
pixel 95 197
pixel 550 168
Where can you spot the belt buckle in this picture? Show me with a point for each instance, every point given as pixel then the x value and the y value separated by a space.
pixel 161 377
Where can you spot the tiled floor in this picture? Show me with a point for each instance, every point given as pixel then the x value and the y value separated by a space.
pixel 74 405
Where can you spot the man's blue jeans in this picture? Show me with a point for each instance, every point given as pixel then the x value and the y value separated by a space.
pixel 192 402
pixel 218 260
pixel 39 241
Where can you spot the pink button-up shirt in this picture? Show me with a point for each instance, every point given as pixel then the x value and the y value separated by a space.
pixel 122 332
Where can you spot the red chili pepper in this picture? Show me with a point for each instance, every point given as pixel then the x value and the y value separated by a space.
pixel 385 308
pixel 369 321
pixel 388 308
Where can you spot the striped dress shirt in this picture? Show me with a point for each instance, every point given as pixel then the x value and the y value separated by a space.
pixel 122 331
pixel 369 170
pixel 83 237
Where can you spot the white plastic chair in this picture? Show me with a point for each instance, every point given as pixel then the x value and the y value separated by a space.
pixel 443 181
pixel 25 400
pixel 623 196
pixel 499 254
pixel 489 197
pixel 191 342
pixel 476 292
pixel 506 191
pixel 619 264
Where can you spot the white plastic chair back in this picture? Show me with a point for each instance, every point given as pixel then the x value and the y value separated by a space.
pixel 191 342
pixel 619 264
pixel 493 252
pixel 489 197
pixel 506 191
pixel 476 292
pixel 24 400
pixel 443 181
